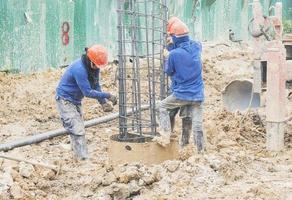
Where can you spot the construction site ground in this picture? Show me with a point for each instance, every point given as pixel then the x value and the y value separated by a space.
pixel 235 165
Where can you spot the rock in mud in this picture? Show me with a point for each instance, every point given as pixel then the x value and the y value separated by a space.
pixel 120 191
pixel 127 174
pixel 47 174
pixel 163 187
pixel 26 170
pixel 134 188
pixel 171 165
pixel 16 191
pixel 152 175
pixel 108 179
pixel 6 181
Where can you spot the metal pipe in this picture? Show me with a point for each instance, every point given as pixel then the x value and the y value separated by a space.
pixel 59 132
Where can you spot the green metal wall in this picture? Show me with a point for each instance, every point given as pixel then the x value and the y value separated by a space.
pixel 287 16
pixel 31 30
pixel 212 19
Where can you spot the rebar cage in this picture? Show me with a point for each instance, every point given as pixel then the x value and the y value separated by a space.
pixel 142 83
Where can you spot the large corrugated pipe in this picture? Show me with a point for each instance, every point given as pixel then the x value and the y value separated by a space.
pixel 238 96
pixel 51 134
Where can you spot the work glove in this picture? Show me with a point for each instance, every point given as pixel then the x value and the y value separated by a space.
pixel 165 53
pixel 169 40
pixel 113 99
pixel 106 107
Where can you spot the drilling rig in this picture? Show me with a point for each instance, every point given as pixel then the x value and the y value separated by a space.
pixel 271 75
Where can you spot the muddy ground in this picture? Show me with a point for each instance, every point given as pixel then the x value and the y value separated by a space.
pixel 235 166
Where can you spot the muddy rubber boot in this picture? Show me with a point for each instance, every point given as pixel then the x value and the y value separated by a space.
pixel 172 114
pixel 164 128
pixel 199 141
pixel 79 146
pixel 186 131
pixel 163 140
pixel 172 122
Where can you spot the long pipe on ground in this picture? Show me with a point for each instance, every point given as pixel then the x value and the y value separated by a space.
pixel 55 133
pixel 52 167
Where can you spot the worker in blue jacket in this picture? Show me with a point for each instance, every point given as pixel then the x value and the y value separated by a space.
pixel 82 79
pixel 184 66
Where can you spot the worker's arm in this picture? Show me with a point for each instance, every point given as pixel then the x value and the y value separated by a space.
pixel 105 105
pixel 81 78
pixel 98 87
pixel 169 65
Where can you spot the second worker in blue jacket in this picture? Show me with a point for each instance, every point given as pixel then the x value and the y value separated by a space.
pixel 184 66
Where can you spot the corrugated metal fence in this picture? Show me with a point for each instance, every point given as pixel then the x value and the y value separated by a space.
pixel 38 34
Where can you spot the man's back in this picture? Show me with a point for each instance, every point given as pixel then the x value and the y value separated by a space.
pixel 185 69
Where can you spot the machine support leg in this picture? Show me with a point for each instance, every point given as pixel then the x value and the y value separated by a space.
pixel 275 56
pixel 275 136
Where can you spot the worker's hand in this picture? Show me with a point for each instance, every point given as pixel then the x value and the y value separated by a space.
pixel 165 53
pixel 169 40
pixel 113 99
pixel 106 107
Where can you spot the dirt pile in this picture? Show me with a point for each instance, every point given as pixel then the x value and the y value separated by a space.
pixel 236 165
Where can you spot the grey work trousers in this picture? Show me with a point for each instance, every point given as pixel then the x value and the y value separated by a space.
pixel 71 116
pixel 192 109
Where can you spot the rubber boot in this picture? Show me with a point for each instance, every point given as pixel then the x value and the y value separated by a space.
pixel 199 141
pixel 79 146
pixel 172 114
pixel 186 131
pixel 165 128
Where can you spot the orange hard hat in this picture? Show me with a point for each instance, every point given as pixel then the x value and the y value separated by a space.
pixel 179 28
pixel 98 55
pixel 171 22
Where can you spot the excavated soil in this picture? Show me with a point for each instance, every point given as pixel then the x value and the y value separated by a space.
pixel 235 165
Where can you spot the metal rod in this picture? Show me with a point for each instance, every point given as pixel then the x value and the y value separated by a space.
pixel 138 74
pixel 122 121
pixel 153 107
pixel 142 41
pixel 148 67
pixel 133 96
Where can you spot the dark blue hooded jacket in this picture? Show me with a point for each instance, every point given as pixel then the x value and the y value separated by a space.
pixel 184 66
pixel 74 84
